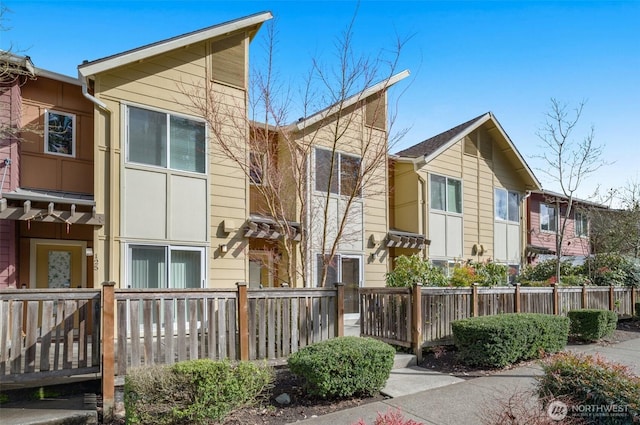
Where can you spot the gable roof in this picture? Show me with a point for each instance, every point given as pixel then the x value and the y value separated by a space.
pixel 434 146
pixel 431 145
pixel 321 115
pixel 124 58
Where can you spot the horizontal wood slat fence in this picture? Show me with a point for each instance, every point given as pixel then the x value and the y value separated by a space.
pixel 422 316
pixel 49 333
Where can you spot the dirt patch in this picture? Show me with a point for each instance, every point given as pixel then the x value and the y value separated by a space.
pixel 441 359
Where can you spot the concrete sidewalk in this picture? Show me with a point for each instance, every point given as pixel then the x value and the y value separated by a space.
pixel 464 402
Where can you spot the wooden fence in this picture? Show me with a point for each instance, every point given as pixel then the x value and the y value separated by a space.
pixel 49 333
pixel 166 326
pixel 422 316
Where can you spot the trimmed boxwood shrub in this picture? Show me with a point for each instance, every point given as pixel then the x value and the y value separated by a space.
pixel 497 341
pixel 592 324
pixel 343 367
pixel 584 380
pixel 192 392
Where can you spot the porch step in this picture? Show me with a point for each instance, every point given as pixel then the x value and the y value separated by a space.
pixel 403 360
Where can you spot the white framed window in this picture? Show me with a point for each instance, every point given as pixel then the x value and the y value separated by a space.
pixel 165 266
pixel 548 218
pixel 165 140
pixel 337 173
pixel 446 194
pixel 59 133
pixel 581 224
pixel 507 205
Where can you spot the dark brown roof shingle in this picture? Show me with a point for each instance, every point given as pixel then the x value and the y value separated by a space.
pixel 432 144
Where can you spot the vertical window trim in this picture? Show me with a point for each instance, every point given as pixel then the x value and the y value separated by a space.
pixel 168 115
pixel 47 112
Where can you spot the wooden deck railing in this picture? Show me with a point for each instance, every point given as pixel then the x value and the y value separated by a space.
pixel 389 313
pixel 49 333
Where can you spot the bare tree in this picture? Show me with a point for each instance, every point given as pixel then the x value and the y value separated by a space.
pixel 276 153
pixel 568 162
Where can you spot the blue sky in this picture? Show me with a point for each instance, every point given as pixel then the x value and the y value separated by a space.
pixel 465 58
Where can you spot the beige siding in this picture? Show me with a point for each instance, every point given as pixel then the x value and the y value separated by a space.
pixel 407 198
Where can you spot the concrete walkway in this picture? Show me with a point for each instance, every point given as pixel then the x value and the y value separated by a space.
pixel 464 402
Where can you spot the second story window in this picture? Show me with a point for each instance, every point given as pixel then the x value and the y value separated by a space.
pixel 59 133
pixel 506 205
pixel 548 218
pixel 581 224
pixel 165 140
pixel 337 173
pixel 446 194
pixel 257 167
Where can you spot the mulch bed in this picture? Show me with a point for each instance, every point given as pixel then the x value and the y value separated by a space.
pixel 442 359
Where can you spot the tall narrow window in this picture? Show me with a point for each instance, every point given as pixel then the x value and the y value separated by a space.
pixel 326 171
pixel 337 173
pixel 59 133
pixel 256 167
pixel 349 175
pixel 581 224
pixel 446 194
pixel 506 205
pixel 548 218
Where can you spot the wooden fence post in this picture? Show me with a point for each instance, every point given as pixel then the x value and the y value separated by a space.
pixel 612 298
pixel 633 301
pixel 108 349
pixel 584 296
pixel 340 309
pixel 243 320
pixel 416 320
pixel 516 299
pixel 474 300
pixel 556 299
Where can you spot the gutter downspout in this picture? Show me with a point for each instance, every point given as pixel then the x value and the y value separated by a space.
pixel 525 228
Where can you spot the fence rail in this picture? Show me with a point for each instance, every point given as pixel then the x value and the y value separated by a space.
pixel 389 314
pixel 166 326
pixel 48 333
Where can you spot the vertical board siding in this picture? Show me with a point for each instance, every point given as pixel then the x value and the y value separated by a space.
pixel 48 333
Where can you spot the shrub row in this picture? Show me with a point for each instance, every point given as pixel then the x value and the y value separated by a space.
pixel 343 367
pixel 191 392
pixel 592 324
pixel 496 341
pixel 591 382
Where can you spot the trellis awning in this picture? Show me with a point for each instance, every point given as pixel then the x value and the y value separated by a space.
pixel 49 207
pixel 399 239
pixel 267 228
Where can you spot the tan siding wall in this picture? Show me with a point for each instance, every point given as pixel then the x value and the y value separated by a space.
pixel 406 199
pixel 169 82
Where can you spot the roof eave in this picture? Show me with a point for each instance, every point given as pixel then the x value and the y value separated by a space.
pixel 101 65
pixel 321 115
pixel 457 136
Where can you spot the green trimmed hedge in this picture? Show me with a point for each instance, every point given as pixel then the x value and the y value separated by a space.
pixel 592 324
pixel 192 392
pixel 497 341
pixel 343 367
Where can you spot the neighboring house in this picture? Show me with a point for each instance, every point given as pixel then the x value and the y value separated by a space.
pixel 47 216
pixel 458 196
pixel 546 211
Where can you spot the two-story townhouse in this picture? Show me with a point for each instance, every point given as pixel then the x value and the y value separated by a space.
pixel 47 215
pixel 546 212
pixel 174 204
pixel 342 214
pixel 462 191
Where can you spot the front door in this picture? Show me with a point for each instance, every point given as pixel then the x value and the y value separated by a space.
pixel 351 278
pixel 57 264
